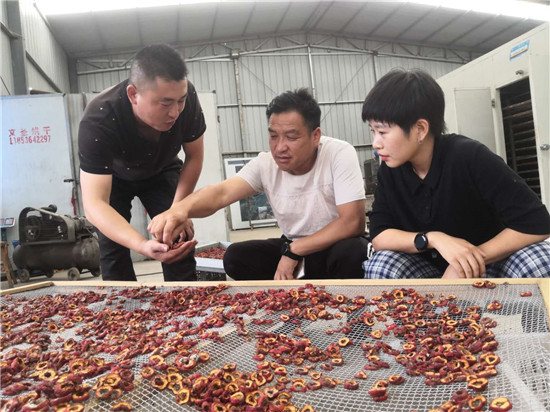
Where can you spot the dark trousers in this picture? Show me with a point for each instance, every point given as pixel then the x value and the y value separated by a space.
pixel 258 260
pixel 156 194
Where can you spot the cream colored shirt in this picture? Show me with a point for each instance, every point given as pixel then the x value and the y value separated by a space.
pixel 304 204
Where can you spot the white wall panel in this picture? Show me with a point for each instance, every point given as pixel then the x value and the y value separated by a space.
pixel 214 75
pixel 6 84
pixel 6 73
pixel 43 48
pixel 36 81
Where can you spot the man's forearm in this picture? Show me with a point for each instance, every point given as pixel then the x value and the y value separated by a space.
pixel 188 179
pixel 114 226
pixel 333 232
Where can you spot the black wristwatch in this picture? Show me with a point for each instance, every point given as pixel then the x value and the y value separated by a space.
pixel 421 242
pixel 285 251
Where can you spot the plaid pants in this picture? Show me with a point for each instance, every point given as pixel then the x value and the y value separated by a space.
pixel 530 262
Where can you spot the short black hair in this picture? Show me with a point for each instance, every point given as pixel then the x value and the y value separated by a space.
pixel 157 60
pixel 301 101
pixel 402 97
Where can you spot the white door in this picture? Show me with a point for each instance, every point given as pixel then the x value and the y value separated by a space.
pixel 539 81
pixel 474 115
pixel 36 156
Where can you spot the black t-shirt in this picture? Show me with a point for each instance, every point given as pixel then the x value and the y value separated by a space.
pixel 469 192
pixel 109 142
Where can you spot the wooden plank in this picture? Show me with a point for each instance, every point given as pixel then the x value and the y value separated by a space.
pixel 543 283
pixel 27 288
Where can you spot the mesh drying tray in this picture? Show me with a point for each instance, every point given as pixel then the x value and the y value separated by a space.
pixel 522 333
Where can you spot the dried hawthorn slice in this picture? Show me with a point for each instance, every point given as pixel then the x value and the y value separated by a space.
pixel 381 383
pixel 237 398
pixel 306 408
pixel 175 387
pixel 477 403
pixel 271 393
pixel 525 294
pixel 63 388
pixel 446 380
pixel 280 370
pixel 147 372
pixel 284 318
pixel 47 374
pixel 361 375
pixel 302 370
pixel 500 405
pixel 116 394
pixel 230 367
pixel 494 305
pixel 314 385
pixel 298 387
pixel 490 358
pixel 41 365
pixel 159 382
pixel 315 375
pixel 80 396
pixel 326 367
pixel 112 379
pixel 185 363
pixel 343 342
pixel 122 406
pixel 460 395
pixel 203 357
pixel 104 392
pixel 337 361
pixel 268 375
pixel 252 398
pixel 377 391
pixel 351 384
pixel 380 398
pixel 490 285
pixel 328 382
pixel 376 334
pixel 478 384
pixel 263 365
pixel 478 284
pixel 183 397
pixel 396 379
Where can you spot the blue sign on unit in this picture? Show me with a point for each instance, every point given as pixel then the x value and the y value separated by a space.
pixel 518 50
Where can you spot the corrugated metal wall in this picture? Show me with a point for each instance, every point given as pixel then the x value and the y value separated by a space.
pixel 44 49
pixel 341 72
pixel 6 87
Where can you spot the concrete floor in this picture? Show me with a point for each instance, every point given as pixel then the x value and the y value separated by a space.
pixel 151 270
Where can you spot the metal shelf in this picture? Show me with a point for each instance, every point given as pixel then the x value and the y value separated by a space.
pixel 519 133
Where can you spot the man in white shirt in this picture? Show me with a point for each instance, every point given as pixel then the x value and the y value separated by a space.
pixel 315 188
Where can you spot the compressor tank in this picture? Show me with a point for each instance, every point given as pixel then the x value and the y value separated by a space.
pixel 82 254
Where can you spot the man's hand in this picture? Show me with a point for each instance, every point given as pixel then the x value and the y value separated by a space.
pixel 167 227
pixel 467 260
pixel 164 253
pixel 188 230
pixel 285 269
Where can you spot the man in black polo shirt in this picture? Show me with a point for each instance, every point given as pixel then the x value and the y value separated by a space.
pixel 129 139
pixel 445 205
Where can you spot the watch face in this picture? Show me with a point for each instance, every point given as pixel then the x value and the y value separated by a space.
pixel 421 242
pixel 285 248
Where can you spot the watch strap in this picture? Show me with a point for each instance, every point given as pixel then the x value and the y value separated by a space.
pixel 286 252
